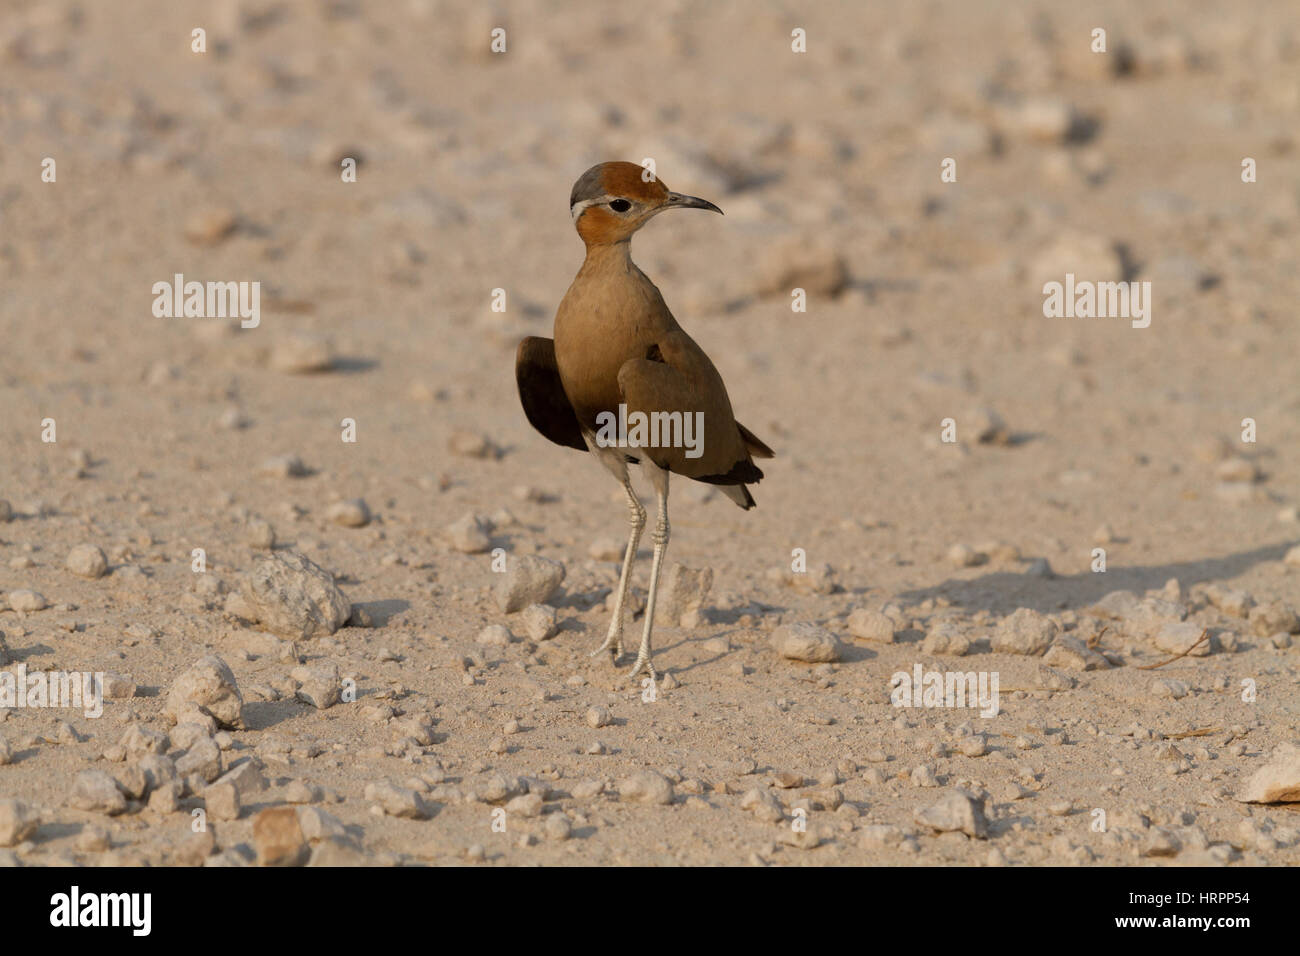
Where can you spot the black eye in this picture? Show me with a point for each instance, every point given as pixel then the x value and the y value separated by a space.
pixel 620 205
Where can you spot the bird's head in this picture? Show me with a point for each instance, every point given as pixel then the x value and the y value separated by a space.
pixel 611 201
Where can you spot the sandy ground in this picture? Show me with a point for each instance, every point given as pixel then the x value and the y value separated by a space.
pixel 925 303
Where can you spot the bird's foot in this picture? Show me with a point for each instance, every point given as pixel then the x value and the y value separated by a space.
pixel 613 643
pixel 643 664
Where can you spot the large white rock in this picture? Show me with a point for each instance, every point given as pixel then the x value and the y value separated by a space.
pixel 1278 781
pixel 292 596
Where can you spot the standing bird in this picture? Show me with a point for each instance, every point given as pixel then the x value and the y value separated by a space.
pixel 617 348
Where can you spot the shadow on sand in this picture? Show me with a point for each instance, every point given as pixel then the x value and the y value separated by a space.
pixel 1004 591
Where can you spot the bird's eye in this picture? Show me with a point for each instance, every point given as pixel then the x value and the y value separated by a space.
pixel 620 205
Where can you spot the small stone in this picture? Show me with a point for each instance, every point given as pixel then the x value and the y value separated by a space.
pixel 958 810
pixel 1177 637
pixel 1237 469
pixel 816 267
pixel 763 805
pixel 469 535
pixel 528 579
pixel 202 760
pixel 208 686
pixel 17 821
pixel 558 827
pixel 869 625
pixel 319 684
pixel 166 798
pixel 283 466
pixel 964 556
pixel 494 635
pixel 1039 568
pixel 93 839
pixel 353 513
pixel 187 733
pixel 96 791
pixel 246 777
pixel 989 429
pixel 1161 841
pixel 923 776
pixel 470 444
pixel 527 805
pixel 806 642
pixel 397 801
pixel 818 579
pixel 302 353
pixel 539 621
pixel 259 533
pixel 209 225
pixel 598 717
pixel 646 786
pixel 87 561
pixel 1168 687
pixel 1072 654
pixel 880 836
pixel 1024 632
pixel 498 788
pixel 299 791
pixel 26 601
pixel 683 595
pixel 1088 257
pixel 278 837
pixel 317 825
pixel 118 687
pixel 946 638
pixel 221 801
pixel 1265 620
pixel 588 789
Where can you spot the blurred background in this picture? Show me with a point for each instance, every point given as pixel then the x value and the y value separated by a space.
pixel 925 297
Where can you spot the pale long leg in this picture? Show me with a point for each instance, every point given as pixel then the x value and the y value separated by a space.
pixel 636 520
pixel 660 538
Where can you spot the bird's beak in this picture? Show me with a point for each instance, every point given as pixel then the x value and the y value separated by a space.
pixel 678 201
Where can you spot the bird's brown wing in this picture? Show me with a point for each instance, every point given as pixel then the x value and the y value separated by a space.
pixel 676 376
pixel 542 394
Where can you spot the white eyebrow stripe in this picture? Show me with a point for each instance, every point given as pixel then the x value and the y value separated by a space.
pixel 580 207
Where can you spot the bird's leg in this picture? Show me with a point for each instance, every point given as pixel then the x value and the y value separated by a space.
pixel 660 538
pixel 636 519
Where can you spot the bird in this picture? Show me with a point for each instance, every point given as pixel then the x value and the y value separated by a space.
pixel 617 353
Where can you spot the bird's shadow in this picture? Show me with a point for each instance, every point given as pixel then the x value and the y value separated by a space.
pixel 1003 590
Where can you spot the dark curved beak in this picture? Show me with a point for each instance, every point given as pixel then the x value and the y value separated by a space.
pixel 678 201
